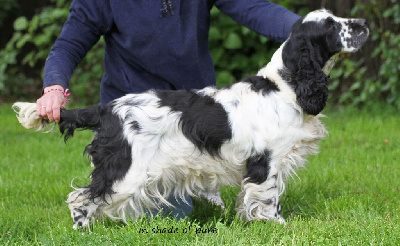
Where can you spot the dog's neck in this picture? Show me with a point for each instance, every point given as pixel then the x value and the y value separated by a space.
pixel 272 71
pixel 283 77
pixel 276 68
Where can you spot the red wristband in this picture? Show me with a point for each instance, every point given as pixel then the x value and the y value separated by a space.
pixel 65 93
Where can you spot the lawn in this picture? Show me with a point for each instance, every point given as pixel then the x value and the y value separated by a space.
pixel 348 194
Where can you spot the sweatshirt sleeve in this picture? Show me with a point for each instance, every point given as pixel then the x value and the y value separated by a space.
pixel 88 20
pixel 270 20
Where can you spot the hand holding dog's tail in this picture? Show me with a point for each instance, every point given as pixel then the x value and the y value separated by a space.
pixel 28 117
pixel 85 118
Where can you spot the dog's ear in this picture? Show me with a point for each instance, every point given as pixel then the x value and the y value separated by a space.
pixel 310 83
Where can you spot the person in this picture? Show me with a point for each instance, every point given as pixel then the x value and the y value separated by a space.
pixel 150 44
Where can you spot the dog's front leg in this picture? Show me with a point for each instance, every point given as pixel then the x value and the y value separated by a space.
pixel 260 199
pixel 213 196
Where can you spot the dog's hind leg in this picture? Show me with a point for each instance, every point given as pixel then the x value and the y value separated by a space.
pixel 259 197
pixel 117 205
pixel 82 208
pixel 214 197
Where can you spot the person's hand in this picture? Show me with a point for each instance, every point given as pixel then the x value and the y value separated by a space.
pixel 49 105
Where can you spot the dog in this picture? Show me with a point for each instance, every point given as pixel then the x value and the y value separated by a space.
pixel 252 133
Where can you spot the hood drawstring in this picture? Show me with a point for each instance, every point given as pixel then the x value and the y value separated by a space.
pixel 167 7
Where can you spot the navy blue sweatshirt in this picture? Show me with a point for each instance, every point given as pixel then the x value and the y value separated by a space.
pixel 145 50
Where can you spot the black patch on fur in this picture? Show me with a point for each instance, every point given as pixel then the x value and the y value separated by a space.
pixel 285 75
pixel 269 201
pixel 84 212
pixel 259 83
pixel 258 167
pixel 109 151
pixel 78 217
pixel 135 126
pixel 204 122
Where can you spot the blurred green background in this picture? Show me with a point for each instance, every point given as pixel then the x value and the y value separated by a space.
pixel 29 28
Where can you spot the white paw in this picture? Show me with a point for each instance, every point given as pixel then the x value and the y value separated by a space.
pixel 81 219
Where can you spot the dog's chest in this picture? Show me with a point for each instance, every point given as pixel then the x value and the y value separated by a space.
pixel 276 127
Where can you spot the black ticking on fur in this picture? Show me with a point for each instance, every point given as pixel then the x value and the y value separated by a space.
pixel 259 83
pixel 109 151
pixel 258 168
pixel 203 121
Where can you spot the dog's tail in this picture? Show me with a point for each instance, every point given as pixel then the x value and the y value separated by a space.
pixel 70 120
pixel 26 114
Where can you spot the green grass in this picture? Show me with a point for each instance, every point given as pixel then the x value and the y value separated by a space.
pixel 348 194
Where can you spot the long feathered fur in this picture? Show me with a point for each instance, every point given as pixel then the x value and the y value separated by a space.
pixel 253 133
pixel 27 116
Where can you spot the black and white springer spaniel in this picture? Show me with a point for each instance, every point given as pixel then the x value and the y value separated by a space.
pixel 255 132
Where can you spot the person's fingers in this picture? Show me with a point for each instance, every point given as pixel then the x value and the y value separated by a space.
pixel 53 110
pixel 43 112
pixel 48 106
pixel 49 113
pixel 41 108
pixel 56 112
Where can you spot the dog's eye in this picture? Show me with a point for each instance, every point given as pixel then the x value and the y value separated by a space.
pixel 330 22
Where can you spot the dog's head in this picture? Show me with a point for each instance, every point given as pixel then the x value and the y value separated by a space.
pixel 314 39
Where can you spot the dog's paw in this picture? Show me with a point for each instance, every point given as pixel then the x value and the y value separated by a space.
pixel 81 219
pixel 280 220
pixel 82 208
pixel 277 218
